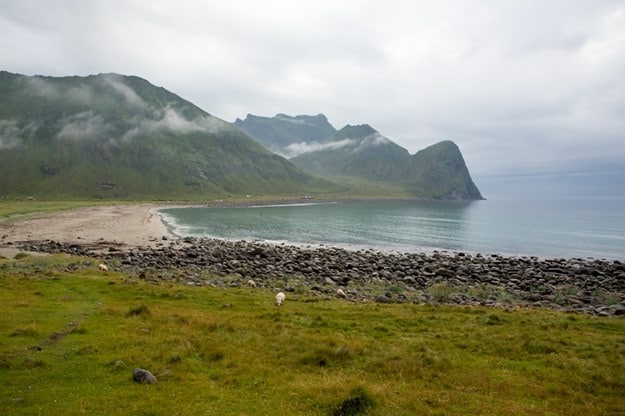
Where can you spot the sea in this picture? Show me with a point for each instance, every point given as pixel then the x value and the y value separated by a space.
pixel 563 228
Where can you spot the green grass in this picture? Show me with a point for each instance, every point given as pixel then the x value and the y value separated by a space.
pixel 70 337
pixel 352 187
pixel 19 208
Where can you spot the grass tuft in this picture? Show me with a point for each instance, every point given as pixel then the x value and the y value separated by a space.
pixel 326 356
pixel 441 292
pixel 358 402
pixel 30 331
pixel 30 363
pixel 532 346
pixel 494 320
pixel 141 310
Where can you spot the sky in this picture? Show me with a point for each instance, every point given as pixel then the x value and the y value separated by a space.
pixel 525 88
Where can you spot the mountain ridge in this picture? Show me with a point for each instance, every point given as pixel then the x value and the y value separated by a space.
pixel 436 172
pixel 279 132
pixel 117 136
pixel 356 151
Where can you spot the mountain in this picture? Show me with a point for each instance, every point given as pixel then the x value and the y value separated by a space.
pixel 356 151
pixel 282 133
pixel 437 172
pixel 115 136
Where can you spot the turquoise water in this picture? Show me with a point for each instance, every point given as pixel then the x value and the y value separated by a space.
pixel 566 228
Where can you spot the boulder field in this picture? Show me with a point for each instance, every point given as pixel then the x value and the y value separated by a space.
pixel 591 286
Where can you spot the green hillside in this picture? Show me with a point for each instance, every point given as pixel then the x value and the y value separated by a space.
pixel 437 172
pixel 357 151
pixel 280 132
pixel 114 136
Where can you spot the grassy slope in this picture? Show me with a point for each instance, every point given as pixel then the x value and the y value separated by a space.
pixel 384 162
pixel 439 171
pixel 147 143
pixel 352 187
pixel 232 352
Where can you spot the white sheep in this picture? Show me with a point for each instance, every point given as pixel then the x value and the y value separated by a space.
pixel 341 294
pixel 103 267
pixel 280 298
pixel 251 283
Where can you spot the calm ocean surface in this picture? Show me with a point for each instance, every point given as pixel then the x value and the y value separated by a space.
pixel 564 228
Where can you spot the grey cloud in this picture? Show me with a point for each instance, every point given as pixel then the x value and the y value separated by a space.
pixel 84 94
pixel 128 94
pixel 12 135
pixel 42 87
pixel 375 139
pixel 84 125
pixel 172 120
pixel 296 149
pixel 9 134
pixel 169 119
pixel 87 125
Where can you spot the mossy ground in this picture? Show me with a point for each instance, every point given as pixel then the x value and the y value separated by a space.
pixel 70 337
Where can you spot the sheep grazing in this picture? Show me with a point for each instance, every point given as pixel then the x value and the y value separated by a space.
pixel 102 267
pixel 280 298
pixel 341 294
pixel 251 283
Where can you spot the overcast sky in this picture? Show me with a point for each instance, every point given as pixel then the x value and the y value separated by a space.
pixel 521 86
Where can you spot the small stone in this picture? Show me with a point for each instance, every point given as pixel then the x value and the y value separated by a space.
pixel 445 273
pixel 383 299
pixel 143 376
pixel 618 310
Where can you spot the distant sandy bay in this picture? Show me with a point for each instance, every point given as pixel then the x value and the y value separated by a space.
pixel 134 225
pixel 129 225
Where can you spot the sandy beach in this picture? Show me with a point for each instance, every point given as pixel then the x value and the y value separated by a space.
pixel 129 225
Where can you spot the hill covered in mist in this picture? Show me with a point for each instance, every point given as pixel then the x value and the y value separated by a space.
pixel 115 136
pixel 282 133
pixel 436 172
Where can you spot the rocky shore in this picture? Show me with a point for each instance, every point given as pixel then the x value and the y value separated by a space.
pixel 588 286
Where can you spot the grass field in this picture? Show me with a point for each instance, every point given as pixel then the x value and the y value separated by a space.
pixel 71 336
pixel 16 209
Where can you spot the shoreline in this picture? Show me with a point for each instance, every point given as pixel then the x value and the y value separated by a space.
pixel 121 226
pixel 143 225
pixel 135 240
pixel 390 248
